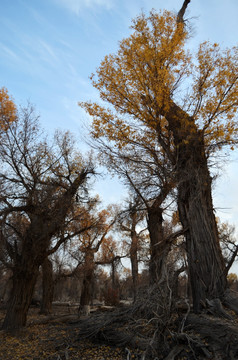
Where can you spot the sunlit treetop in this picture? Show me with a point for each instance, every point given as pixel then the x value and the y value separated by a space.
pixel 153 85
pixel 8 109
pixel 98 225
pixel 108 251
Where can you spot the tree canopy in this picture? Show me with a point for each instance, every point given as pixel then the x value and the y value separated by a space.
pixel 154 75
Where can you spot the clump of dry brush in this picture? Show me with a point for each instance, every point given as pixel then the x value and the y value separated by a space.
pixel 157 326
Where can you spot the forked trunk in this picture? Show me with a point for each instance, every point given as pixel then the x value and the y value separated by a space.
pixel 23 283
pixel 205 261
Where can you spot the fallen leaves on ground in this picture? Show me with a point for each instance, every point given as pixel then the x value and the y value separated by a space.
pixel 53 340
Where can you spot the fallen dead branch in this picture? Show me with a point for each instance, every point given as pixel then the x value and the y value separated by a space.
pixel 160 330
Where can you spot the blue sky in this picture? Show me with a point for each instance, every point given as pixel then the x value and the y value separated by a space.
pixel 49 48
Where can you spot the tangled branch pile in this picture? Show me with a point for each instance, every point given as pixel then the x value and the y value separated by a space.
pixel 155 327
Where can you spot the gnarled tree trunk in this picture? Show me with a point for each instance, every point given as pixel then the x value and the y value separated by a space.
pixel 35 244
pixel 23 283
pixel 205 261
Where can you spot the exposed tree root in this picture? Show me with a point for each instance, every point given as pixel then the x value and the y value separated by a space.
pixel 160 331
pixel 215 307
pixel 231 300
pixel 220 336
pixel 174 352
pixel 53 319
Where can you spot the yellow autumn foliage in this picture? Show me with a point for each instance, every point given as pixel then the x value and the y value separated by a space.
pixel 153 75
pixel 7 109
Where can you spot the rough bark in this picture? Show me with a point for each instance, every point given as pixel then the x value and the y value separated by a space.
pixel 205 261
pixel 23 283
pixel 25 273
pixel 47 287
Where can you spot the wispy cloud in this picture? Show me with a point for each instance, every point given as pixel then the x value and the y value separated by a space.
pixel 76 6
pixel 41 20
pixel 47 50
pixel 8 52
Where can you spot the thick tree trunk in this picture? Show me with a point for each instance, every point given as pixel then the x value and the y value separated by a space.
pixel 47 287
pixel 23 283
pixel 158 245
pixel 44 224
pixel 205 261
pixel 25 273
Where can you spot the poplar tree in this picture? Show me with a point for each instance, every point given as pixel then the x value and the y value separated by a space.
pixel 154 91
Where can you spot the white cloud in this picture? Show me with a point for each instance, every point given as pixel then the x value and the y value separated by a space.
pixel 76 6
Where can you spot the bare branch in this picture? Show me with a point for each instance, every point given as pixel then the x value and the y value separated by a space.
pixel 181 12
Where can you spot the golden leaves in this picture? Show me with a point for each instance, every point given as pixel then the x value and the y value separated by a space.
pixel 108 250
pixel 137 82
pixel 53 340
pixel 141 81
pixel 215 92
pixel 8 109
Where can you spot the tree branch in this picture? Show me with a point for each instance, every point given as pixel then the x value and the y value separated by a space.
pixel 181 12
pixel 232 259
